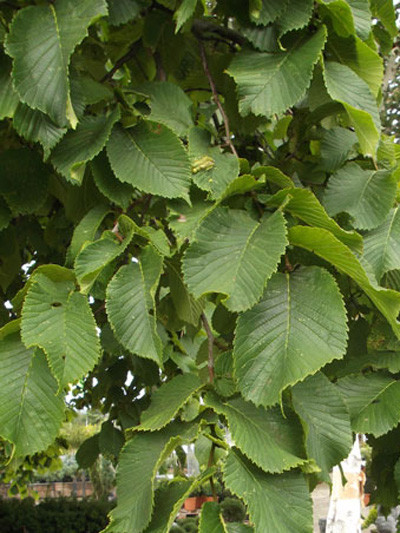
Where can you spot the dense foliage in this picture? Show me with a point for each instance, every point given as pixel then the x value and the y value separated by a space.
pixel 200 231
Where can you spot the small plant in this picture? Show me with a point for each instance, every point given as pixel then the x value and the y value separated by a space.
pixel 372 516
pixel 233 510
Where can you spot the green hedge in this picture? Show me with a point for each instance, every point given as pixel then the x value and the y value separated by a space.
pixel 57 515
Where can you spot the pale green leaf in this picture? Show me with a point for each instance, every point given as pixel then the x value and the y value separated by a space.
pixel 85 231
pixel 297 328
pixel 24 179
pixel 329 437
pixel 274 175
pixel 35 126
pixel 8 97
pixel 130 299
pixel 270 83
pixel 184 12
pixel 151 158
pixel 167 400
pixel 60 321
pixel 243 184
pixel 303 204
pixel 96 255
pixel 336 146
pixel 169 105
pixel 346 87
pixel 272 442
pixel 31 413
pixel 267 11
pixel 41 41
pixel 80 146
pixel 139 461
pixel 119 193
pixel 361 16
pixel 382 245
pixel 340 15
pixel 325 245
pixel 366 195
pixel 373 401
pixel 247 254
pixel 280 501
pixel 211 520
pixel 121 11
pixel 223 168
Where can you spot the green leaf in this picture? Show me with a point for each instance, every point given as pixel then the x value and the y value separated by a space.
pixel 80 146
pixel 270 83
pixel 336 146
pixel 111 439
pixel 373 401
pixel 88 452
pixel 24 180
pixel 85 231
pixel 31 413
pixel 361 16
pixel 325 245
pixel 366 195
pixel 169 105
pixel 130 300
pixel 167 400
pixel 211 520
pixel 185 219
pixel 122 11
pixel 187 308
pixel 281 501
pixel 254 249
pixel 41 41
pixel 60 322
pixel 223 167
pixel 35 126
pixel 151 158
pixel 119 193
pixel 329 438
pixel 139 461
pixel 165 501
pixel 267 11
pixel 98 254
pixel 340 15
pixel 274 175
pixel 272 442
pixel 303 204
pixel 291 333
pixel 384 10
pixel 344 86
pixel 382 245
pixel 8 97
pixel 184 12
pixel 296 16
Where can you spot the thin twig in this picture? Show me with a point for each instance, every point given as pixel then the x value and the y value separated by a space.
pixel 210 337
pixel 200 27
pixel 216 98
pixel 130 54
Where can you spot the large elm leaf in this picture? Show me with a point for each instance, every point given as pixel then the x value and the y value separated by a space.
pixel 130 300
pixel 336 146
pixel 270 83
pixel 96 255
pixel 59 320
pixel 281 501
pixel 151 158
pixel 211 520
pixel 169 105
pixel 247 254
pixel 8 97
pixel 361 16
pixel 105 180
pixel 325 245
pixel 266 11
pixel 272 442
pixel 80 146
pixel 298 326
pixel 340 16
pixel 366 195
pixel 382 245
pixel 296 15
pixel 373 401
pixel 303 204
pixel 138 464
pixel 346 87
pixel 31 413
pixel 321 408
pixel 41 41
pixel 35 126
pixel 167 400
pixel 121 11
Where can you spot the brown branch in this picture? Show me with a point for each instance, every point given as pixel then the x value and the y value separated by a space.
pixel 216 98
pixel 130 54
pixel 210 337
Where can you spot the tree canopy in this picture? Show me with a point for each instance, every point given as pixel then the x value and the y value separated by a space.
pixel 199 231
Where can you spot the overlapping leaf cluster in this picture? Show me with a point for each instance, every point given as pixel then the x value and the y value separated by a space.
pixel 200 232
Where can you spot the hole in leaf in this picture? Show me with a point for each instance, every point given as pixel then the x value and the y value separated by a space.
pixel 56 304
